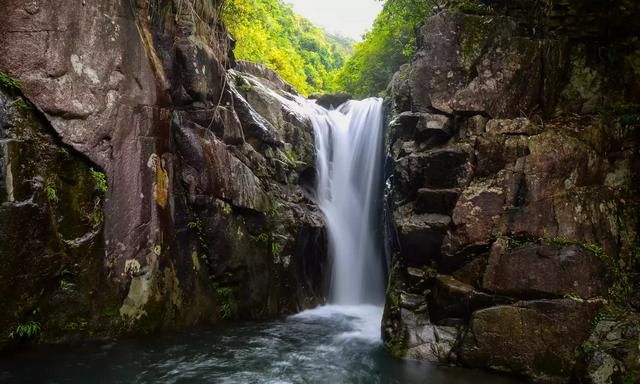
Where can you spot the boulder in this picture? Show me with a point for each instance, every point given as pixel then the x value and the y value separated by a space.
pixel 453 299
pixel 535 338
pixel 332 100
pixel 407 319
pixel 431 343
pixel 437 169
pixel 539 270
pixel 476 215
pixel 420 236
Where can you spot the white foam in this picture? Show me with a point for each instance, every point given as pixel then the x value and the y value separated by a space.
pixel 364 320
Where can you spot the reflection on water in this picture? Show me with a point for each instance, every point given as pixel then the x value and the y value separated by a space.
pixel 331 344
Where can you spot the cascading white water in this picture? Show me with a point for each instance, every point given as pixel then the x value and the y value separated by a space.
pixel 349 143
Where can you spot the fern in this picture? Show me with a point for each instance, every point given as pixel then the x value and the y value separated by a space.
pixel 28 330
pixel 100 180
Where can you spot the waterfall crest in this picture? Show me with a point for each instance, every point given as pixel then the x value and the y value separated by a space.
pixel 349 145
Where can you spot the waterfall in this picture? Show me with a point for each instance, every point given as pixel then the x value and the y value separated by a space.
pixel 349 151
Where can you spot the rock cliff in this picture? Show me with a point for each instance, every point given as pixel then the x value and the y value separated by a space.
pixel 514 170
pixel 144 184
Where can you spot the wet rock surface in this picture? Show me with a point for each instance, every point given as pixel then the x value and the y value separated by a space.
pixel 512 195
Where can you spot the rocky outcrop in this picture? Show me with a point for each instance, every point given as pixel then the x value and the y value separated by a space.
pixel 513 157
pixel 159 188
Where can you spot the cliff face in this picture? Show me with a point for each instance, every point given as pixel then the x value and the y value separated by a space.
pixel 514 169
pixel 143 185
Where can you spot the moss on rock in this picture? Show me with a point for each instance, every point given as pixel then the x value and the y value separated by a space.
pixel 57 263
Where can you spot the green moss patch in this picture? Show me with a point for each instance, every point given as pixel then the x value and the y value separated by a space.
pixel 9 84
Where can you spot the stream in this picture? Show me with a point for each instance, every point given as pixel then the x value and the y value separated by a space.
pixel 330 344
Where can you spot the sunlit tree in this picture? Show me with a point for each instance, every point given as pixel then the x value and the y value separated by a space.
pixel 269 32
pixel 390 43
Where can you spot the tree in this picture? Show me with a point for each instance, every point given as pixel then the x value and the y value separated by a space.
pixel 269 32
pixel 390 43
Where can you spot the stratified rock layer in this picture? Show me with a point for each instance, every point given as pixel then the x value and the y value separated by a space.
pixel 514 172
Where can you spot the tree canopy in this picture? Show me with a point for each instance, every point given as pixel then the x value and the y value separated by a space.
pixel 312 60
pixel 390 43
pixel 269 32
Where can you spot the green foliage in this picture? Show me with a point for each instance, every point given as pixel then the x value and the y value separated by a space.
pixel 76 326
pixel 100 179
pixel 627 114
pixel 261 238
pixel 52 194
pixel 28 330
pixel 271 241
pixel 228 307
pixel 12 86
pixel 195 224
pixel 292 159
pixel 390 43
pixel 66 277
pixel 66 285
pixel 269 32
pixel 292 156
pixel 199 229
pixel 631 377
pixel 63 152
pixel 100 185
pixel 9 84
pixel 514 243
pixel 473 7
pixel 96 216
pixel 276 248
pixel 21 104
